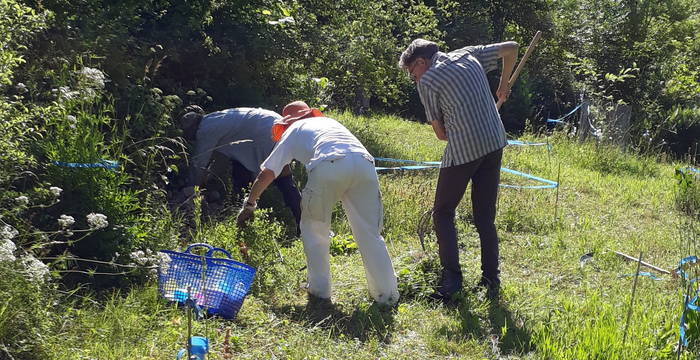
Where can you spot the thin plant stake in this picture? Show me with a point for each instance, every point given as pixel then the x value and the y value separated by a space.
pixel 634 290
pixel 556 201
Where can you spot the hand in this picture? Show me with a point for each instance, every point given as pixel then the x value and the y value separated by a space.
pixel 502 93
pixel 246 213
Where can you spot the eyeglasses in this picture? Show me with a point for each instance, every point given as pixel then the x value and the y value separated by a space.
pixel 411 68
pixel 410 71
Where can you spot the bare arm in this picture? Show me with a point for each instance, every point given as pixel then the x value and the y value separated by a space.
pixel 508 51
pixel 439 129
pixel 261 183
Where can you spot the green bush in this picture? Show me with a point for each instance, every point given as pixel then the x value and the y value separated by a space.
pixel 688 195
pixel 26 312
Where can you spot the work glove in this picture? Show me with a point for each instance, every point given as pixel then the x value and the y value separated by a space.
pixel 246 213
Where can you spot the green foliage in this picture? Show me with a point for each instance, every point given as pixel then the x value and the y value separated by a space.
pixel 688 197
pixel 18 24
pixel 256 245
pixel 418 275
pixel 342 244
pixel 26 313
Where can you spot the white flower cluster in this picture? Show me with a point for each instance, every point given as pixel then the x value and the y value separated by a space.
pixel 22 200
pixel 65 221
pixel 97 221
pixel 92 78
pixel 7 232
pixel 7 249
pixel 36 270
pixel 598 133
pixel 65 93
pixel 287 19
pixel 56 191
pixel 149 257
pixel 72 121
pixel 153 260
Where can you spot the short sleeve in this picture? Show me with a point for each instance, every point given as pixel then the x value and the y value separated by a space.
pixel 487 56
pixel 204 147
pixel 431 102
pixel 280 156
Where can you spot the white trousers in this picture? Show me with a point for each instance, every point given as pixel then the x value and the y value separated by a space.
pixel 353 180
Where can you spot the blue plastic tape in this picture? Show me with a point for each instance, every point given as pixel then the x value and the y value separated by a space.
pixel 644 273
pixel 683 170
pixel 561 119
pixel 107 164
pixel 549 183
pixel 424 165
pixel 527 143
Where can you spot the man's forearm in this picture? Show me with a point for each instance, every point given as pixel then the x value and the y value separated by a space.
pixel 261 183
pixel 439 129
pixel 509 53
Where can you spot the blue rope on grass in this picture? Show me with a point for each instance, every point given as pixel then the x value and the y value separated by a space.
pixel 425 165
pixel 643 273
pixel 690 168
pixel 527 143
pixel 549 183
pixel 106 164
pixel 561 119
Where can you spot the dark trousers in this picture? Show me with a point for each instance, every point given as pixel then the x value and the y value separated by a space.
pixel 242 178
pixel 452 183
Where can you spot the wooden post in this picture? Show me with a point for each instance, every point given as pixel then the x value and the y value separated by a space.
pixel 584 123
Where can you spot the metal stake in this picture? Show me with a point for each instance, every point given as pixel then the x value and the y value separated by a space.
pixel 634 290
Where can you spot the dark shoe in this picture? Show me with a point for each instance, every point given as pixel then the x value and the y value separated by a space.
pixel 492 287
pixel 450 283
pixel 446 299
pixel 318 302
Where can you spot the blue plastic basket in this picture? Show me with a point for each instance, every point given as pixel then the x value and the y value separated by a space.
pixel 216 284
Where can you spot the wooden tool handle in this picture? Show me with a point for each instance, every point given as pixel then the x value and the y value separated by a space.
pixel 520 66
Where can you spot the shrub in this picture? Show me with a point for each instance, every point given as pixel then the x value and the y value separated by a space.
pixel 26 312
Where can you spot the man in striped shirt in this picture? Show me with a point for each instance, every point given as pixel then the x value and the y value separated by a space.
pixel 458 103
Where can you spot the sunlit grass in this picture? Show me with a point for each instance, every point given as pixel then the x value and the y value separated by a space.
pixel 552 307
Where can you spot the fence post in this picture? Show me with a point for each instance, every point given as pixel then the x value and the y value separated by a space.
pixel 584 123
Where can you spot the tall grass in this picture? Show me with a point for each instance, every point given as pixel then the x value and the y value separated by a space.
pixel 553 304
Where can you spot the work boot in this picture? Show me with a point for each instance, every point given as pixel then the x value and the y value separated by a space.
pixel 450 284
pixel 492 287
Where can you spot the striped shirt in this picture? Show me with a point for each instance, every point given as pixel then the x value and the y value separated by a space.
pixel 455 90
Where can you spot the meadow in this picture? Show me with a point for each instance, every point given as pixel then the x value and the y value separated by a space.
pixel 565 293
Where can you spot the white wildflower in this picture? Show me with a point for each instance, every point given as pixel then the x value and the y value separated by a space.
pixel 598 133
pixel 21 88
pixel 56 191
pixel 65 93
pixel 8 232
pixel 163 259
pixel 7 249
pixel 22 200
pixel 139 257
pixel 65 221
pixel 97 221
pixel 72 121
pixel 92 78
pixel 36 270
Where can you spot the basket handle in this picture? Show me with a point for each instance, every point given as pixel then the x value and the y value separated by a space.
pixel 187 251
pixel 214 249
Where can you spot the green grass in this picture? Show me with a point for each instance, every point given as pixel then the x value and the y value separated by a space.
pixel 552 306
